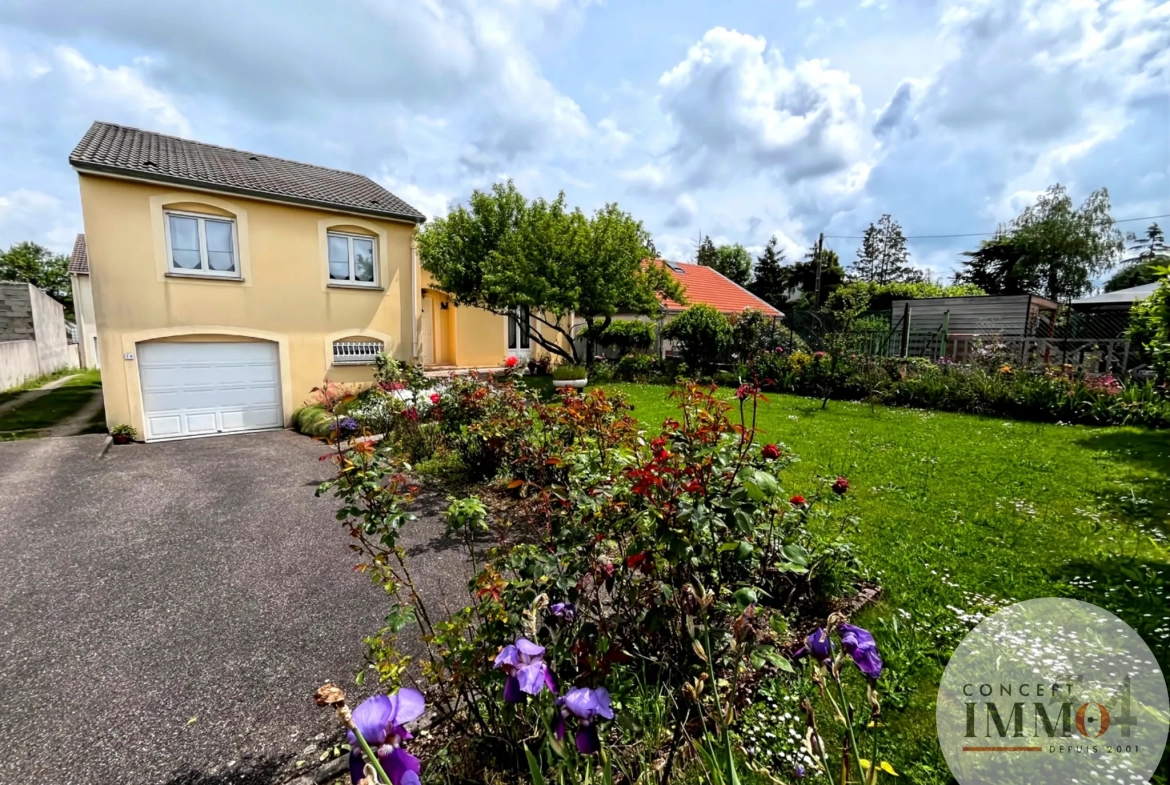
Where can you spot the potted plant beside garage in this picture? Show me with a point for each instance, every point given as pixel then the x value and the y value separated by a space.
pixel 123 434
pixel 570 376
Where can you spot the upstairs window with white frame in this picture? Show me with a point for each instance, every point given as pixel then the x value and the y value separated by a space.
pixel 202 245
pixel 352 261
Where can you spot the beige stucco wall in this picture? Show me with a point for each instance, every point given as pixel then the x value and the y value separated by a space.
pixel 86 324
pixel 284 295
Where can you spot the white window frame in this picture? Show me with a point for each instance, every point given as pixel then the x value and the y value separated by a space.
pixel 352 280
pixel 204 270
pixel 523 333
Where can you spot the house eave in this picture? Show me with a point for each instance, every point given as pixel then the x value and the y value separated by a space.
pixel 116 173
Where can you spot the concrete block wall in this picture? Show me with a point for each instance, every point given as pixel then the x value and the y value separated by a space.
pixel 16 312
pixel 33 338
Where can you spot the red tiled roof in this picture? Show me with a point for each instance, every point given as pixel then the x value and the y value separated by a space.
pixel 706 285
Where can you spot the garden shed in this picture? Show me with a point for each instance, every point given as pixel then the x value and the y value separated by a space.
pixel 957 327
pixel 1012 314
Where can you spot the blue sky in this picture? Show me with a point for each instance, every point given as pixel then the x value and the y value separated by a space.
pixel 741 120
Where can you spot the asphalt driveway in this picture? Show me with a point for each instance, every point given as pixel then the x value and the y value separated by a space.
pixel 168 610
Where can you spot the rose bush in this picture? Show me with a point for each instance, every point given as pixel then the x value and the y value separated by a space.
pixel 636 570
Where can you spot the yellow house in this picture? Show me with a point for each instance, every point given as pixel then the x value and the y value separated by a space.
pixel 225 285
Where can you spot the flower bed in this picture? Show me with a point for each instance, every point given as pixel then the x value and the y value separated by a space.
pixel 995 387
pixel 637 596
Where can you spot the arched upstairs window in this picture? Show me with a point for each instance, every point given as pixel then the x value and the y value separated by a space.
pixel 201 244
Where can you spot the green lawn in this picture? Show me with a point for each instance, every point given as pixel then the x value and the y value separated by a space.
pixel 28 419
pixel 958 513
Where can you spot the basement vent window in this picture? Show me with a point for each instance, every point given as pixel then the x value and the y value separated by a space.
pixel 356 352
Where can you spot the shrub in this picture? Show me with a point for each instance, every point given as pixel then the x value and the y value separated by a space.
pixel 624 336
pixel 673 561
pixel 881 296
pixel 313 420
pixel 1149 328
pixel 751 333
pixel 570 372
pixel 990 387
pixel 703 336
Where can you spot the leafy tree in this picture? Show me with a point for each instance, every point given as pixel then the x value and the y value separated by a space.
pixel 1052 248
pixel 882 257
pixel 1148 254
pixel 734 262
pixel 771 279
pixel 999 267
pixel 1065 246
pixel 707 254
pixel 802 276
pixel 626 335
pixel 703 335
pixel 28 262
pixel 500 252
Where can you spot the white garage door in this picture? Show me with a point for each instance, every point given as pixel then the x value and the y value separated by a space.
pixel 199 389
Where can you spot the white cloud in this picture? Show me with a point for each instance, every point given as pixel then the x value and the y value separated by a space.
pixel 33 215
pixel 432 204
pixel 120 89
pixel 684 212
pixel 739 107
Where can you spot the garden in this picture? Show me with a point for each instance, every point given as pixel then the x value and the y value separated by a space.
pixel 720 584
pixel 745 559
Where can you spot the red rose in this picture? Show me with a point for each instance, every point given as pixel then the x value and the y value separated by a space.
pixel 434 397
pixel 840 486
pixel 511 361
pixel 797 500
pixel 770 452
pixel 632 562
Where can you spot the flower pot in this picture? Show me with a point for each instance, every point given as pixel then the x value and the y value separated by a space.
pixel 575 383
pixel 122 438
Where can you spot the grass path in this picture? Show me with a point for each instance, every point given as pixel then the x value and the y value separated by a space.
pixel 956 513
pixel 70 406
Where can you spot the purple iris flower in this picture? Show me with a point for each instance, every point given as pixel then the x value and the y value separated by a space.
pixel 381 720
pixel 586 705
pixel 860 645
pixel 565 611
pixel 527 672
pixel 818 645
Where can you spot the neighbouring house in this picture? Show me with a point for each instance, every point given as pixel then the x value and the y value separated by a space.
pixel 701 285
pixel 33 338
pixel 227 284
pixel 1119 301
pixel 85 327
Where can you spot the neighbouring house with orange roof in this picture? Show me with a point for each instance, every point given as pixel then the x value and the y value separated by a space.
pixel 708 286
pixel 701 285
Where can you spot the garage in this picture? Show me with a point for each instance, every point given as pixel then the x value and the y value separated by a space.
pixel 203 389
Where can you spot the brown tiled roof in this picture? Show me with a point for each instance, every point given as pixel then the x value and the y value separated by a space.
pixel 706 285
pixel 116 149
pixel 79 261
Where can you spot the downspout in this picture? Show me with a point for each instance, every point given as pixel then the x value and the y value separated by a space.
pixel 414 292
